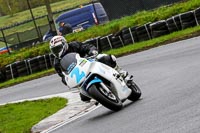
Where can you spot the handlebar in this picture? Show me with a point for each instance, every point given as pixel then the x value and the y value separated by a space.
pixel 91 57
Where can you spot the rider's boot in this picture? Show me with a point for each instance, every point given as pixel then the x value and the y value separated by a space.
pixel 122 72
pixel 85 98
pixel 127 78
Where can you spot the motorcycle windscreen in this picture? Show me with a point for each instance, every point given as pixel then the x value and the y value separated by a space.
pixel 68 62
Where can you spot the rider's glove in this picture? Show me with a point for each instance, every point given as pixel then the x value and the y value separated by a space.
pixel 93 52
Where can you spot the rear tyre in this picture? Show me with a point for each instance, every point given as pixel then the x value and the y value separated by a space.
pixel 136 92
pixel 108 100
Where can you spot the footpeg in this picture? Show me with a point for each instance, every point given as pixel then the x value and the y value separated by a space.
pixel 131 77
pixel 96 103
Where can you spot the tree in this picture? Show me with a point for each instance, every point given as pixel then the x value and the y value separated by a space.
pixel 3 7
pixel 9 6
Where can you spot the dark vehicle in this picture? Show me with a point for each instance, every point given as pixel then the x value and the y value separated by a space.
pixel 81 18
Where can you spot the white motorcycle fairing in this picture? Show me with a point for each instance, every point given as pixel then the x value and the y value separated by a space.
pixel 82 73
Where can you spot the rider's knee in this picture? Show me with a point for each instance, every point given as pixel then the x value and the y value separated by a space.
pixel 109 60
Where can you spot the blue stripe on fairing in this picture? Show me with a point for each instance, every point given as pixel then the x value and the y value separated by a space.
pixel 78 75
pixel 95 80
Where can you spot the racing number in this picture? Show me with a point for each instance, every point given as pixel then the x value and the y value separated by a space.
pixel 78 75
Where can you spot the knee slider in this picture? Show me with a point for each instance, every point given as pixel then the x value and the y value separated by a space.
pixel 114 59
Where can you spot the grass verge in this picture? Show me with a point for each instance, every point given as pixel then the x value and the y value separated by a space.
pixel 139 18
pixel 141 46
pixel 39 11
pixel 20 117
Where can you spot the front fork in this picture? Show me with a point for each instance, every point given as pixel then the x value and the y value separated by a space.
pixel 96 80
pixel 84 88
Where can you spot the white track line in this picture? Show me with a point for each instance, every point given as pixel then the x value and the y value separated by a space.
pixel 72 119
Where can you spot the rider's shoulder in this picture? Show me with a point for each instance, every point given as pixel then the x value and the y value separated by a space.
pixel 75 42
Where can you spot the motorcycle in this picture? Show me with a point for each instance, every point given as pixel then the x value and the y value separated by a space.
pixel 98 81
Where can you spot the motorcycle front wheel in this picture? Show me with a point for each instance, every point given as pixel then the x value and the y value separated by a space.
pixel 107 99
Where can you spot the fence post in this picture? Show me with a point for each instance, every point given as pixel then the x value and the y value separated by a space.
pixel 50 17
pixel 39 31
pixel 19 41
pixel 29 6
pixel 4 38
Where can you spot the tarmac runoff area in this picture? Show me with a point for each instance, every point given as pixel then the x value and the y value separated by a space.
pixel 75 109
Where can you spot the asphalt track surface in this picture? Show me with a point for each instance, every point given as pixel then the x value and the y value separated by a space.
pixel 169 78
pixel 32 89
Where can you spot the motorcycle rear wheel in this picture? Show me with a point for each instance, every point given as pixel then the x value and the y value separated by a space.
pixel 136 92
pixel 110 101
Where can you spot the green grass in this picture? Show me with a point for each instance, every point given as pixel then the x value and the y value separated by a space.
pixel 137 19
pixel 114 26
pixel 140 46
pixel 20 117
pixel 39 11
pixel 23 54
pixel 27 31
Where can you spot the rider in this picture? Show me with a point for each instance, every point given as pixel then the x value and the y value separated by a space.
pixel 59 48
pixel 65 28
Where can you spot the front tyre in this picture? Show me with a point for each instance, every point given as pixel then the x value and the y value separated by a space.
pixel 136 92
pixel 109 100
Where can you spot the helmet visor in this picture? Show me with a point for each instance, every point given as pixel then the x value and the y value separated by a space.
pixel 57 49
